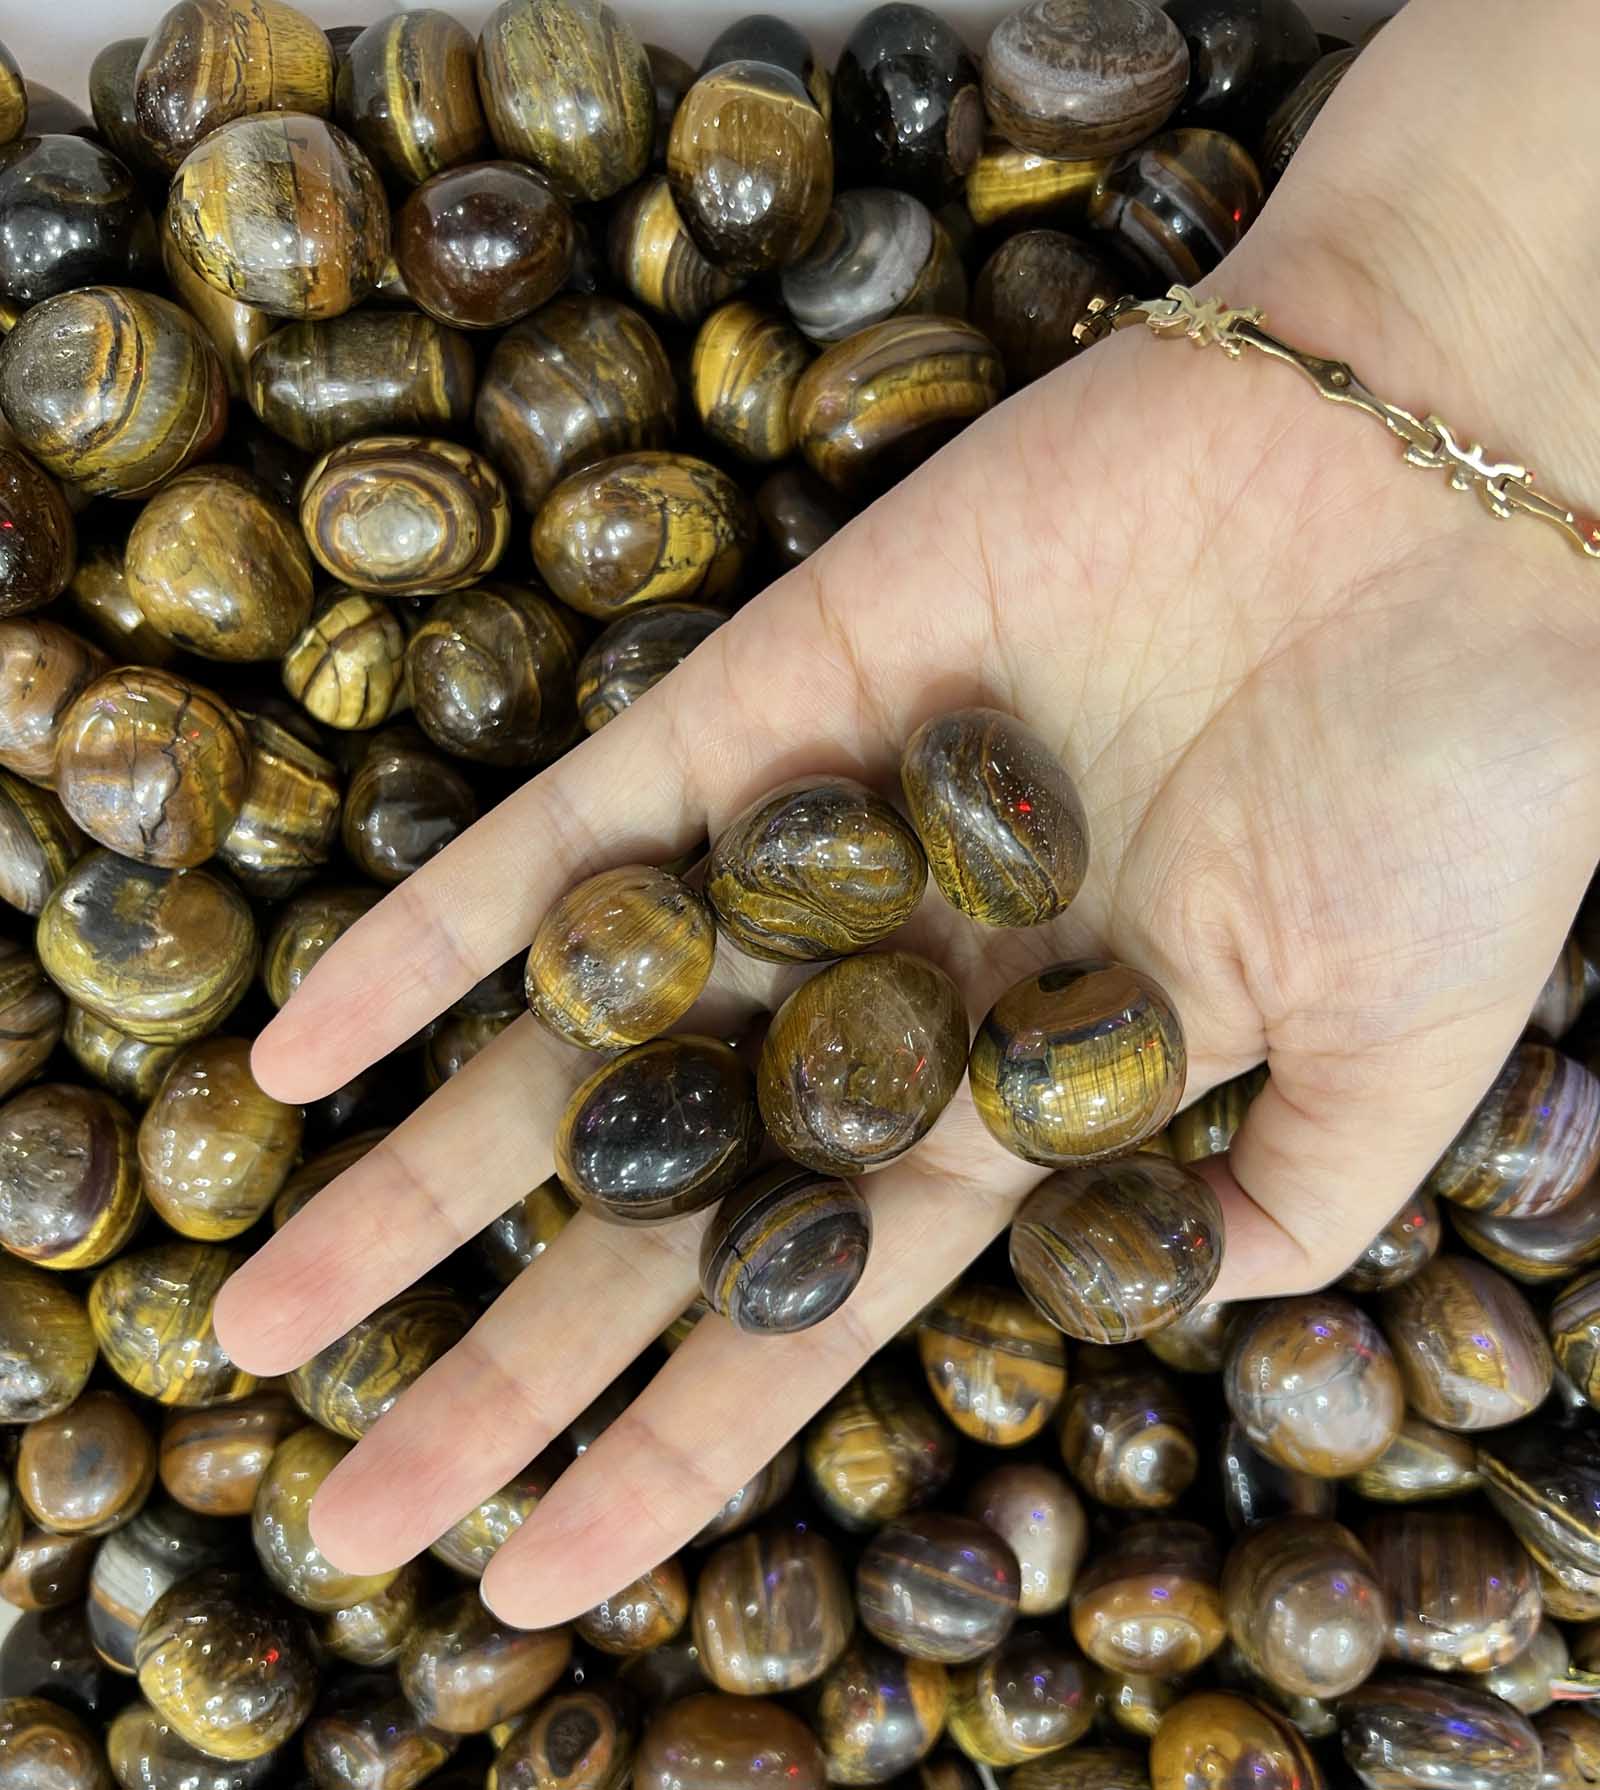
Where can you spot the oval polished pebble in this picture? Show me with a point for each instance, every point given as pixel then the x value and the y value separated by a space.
pixel 47 1348
pixel 713 1742
pixel 1197 1342
pixel 1017 189
pixel 212 1461
pixel 996 1369
pixel 403 515
pixel 13 97
pixel 229 1670
pixel 407 91
pixel 100 601
pixel 1536 1250
pixel 307 925
pixel 1032 293
pixel 1423 1461
pixel 566 86
pixel 880 253
pixel 937 1587
pixel 492 673
pixel 746 363
pixel 152 766
pixel 347 665
pixel 470 1544
pixel 1405 1245
pixel 320 384
pixel 39 844
pixel 1041 1519
pixel 644 1614
pixel 214 1148
pixel 1530 1681
pixel 798 512
pixel 750 165
pixel 1001 820
pixel 99 229
pixel 284 212
pixel 1127 1438
pixel 1255 1489
pixel 372 1632
pixel 1574 1328
pixel 1028 1698
pixel 463 1672
pixel 876 1451
pixel 145 1754
pixel 772 1611
pixel 280 1526
pixel 69 1177
pixel 641 528
pixel 1080 78
pixel 652 254
pixel 785 1251
pixel 44 668
pixel 38 538
pixel 208 62
pixel 219 568
pixel 48 1571
pixel 816 868
pixel 634 653
pixel 354 1381
pixel 1177 204
pixel 152 1317
pixel 287 825
pixel 1545 1482
pixel 86 1470
pixel 1305 1606
pixel 140 1563
pixel 759 1494
pixel 877 404
pixel 1242 60
pixel 1533 1141
pixel 1462 1592
pixel 1399 1732
pixel 1111 1251
pixel 664 1129
pixel 1471 1352
pixel 878 1713
pixel 525 1230
pixel 162 954
pixel 481 246
pixel 582 379
pixel 908 110
pixel 404 804
pixel 1569 1738
pixel 363 1732
pixel 235 330
pixel 32 1014
pixel 112 390
pixel 861 1060
pixel 1079 1062
pixel 1313 1385
pixel 44 1746
pixel 1150 1601
pixel 1218 1737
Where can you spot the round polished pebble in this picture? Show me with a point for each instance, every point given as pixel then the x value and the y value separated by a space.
pixel 99 226
pixel 46 1747
pixel 1313 1385
pixel 1423 1461
pixel 1110 1251
pixel 363 1732
pixel 403 515
pixel 1545 1482
pixel 48 1571
pixel 356 1380
pixel 1304 1606
pixel 1536 1250
pixel 1127 1438
pixel 1041 1519
pixel 876 1450
pixel 996 1369
pixel 280 1526
pixel 1196 1342
pixel 38 538
pixel 861 1060
pixel 32 1015
pixel 69 1177
pixel 874 406
pixel 152 1317
pixel 372 1632
pixel 152 766
pixel 141 1563
pixel 908 111
pixel 284 212
pixel 575 1740
pixel 47 1349
pixel 938 1587
pixel 1176 204
pixel 816 868
pixel 1078 1062
pixel 798 512
pixel 1030 1697
pixel 287 825
pixel 880 253
pixel 407 91
pixel 124 941
pixel 1462 1592
pixel 644 1614
pixel 44 668
pixel 1255 1489
pixel 463 1672
pixel 126 1066
pixel 652 254
pixel 620 958
pixel 1400 1732
pixel 878 1713
pixel 715 1742
pixel 1149 1601
pixel 1080 78
pixel 1032 293
pixel 634 653
pixel 1217 1737
pixel 347 665
pixel 146 1754
pixel 746 363
pixel 640 528
pixel 785 1251
pixel 1531 1681
pixel 404 804
pixel 472 1542
pixel 1405 1245
pixel 772 1611
pixel 229 1670
pixel 1471 1352
pixel 664 1129
pixel 306 927
pixel 88 1469
pixel 213 1461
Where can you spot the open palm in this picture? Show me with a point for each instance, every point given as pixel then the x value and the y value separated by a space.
pixel 1339 774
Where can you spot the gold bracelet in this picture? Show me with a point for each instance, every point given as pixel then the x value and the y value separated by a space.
pixel 1506 488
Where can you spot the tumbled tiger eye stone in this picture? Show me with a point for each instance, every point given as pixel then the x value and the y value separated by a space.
pixel 104 608
pixel 878 1713
pixel 1079 1062
pixel 1111 1251
pixel 1176 204
pixel 861 1060
pixel 881 253
pixel 152 1317
pixel 1041 1519
pixel 288 823
pixel 576 1739
pixel 38 538
pixel 876 1450
pixel 1150 1600
pixel 280 1526
pixel 1031 1697
pixel 771 1611
pixel 407 91
pixel 404 805
pixel 785 1251
pixel 306 927
pixel 470 1544
pixel 1080 78
pixel 745 366
pixel 13 98
pixel 704 1741
pixel 652 254
pixel 347 666
pixel 1405 1245
pixel 1417 1730
pixel 32 1013
pixel 212 1461
pixel 1535 1250
pixel 633 655
pixel 372 1632
pixel 814 869
pixel 799 513
pixel 44 668
pixel 354 1381
pixel 463 1672
pixel 1211 1737
pixel 937 1587
pixel 1032 293
pixel 1128 1439
pixel 1423 1461
pixel 996 1368
pixel 69 1177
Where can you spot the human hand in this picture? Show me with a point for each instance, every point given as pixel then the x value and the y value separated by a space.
pixel 1334 729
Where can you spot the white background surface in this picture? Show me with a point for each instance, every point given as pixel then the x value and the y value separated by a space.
pixel 55 40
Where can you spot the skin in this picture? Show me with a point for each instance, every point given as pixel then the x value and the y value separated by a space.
pixel 1333 725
